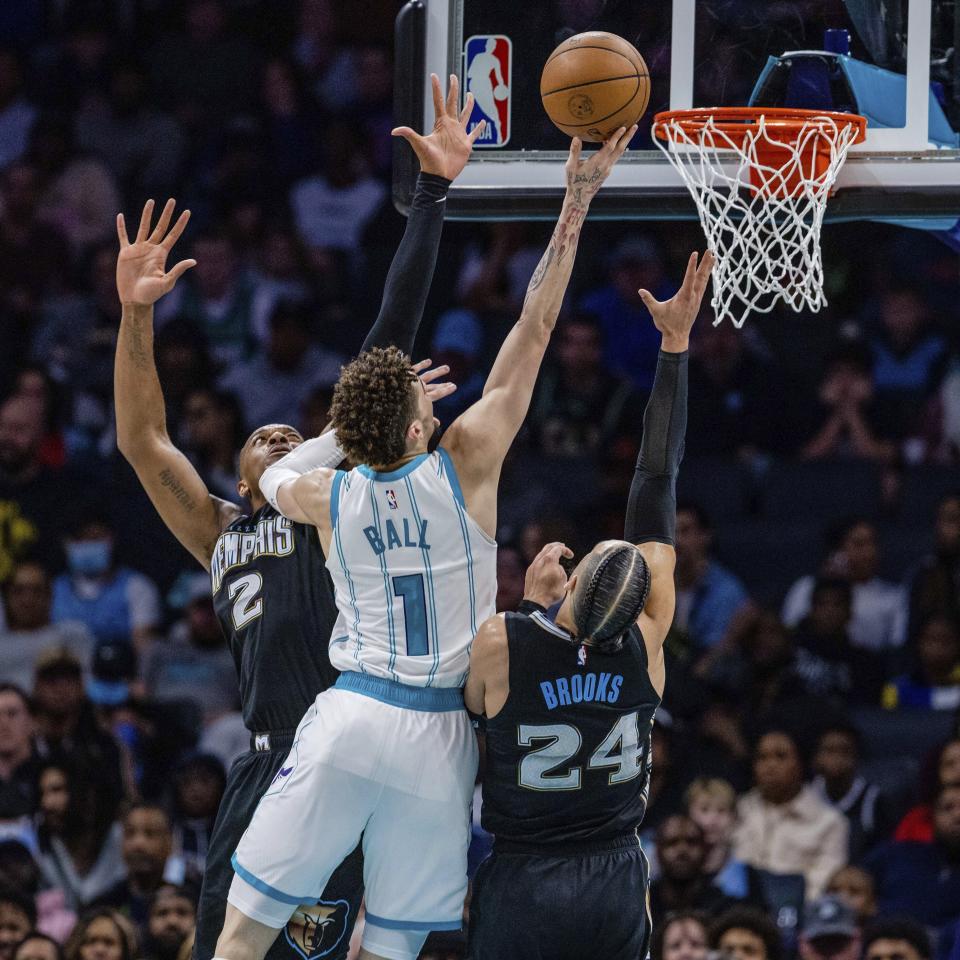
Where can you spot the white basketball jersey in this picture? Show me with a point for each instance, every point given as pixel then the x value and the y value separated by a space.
pixel 414 574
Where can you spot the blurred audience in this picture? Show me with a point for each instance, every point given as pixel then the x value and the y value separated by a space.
pixel 783 824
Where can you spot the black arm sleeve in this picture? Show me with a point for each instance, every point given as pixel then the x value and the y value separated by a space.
pixel 410 275
pixel 652 503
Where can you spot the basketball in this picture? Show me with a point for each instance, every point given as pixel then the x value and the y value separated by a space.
pixel 594 83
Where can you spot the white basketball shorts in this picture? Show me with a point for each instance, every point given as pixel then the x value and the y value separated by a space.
pixel 391 763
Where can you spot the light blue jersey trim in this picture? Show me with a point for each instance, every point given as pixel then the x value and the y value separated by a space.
pixel 335 498
pixel 413 924
pixel 453 479
pixel 265 888
pixel 430 700
pixel 353 595
pixel 398 474
pixel 431 593
pixel 391 626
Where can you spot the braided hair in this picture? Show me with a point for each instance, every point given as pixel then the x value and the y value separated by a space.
pixel 613 590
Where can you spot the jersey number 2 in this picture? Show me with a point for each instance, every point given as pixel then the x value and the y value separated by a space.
pixel 410 589
pixel 538 769
pixel 247 602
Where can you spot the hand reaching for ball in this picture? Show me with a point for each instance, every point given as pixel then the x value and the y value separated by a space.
pixel 585 174
pixel 446 150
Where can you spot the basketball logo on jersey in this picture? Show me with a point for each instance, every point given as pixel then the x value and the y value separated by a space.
pixel 488 63
pixel 582 656
pixel 392 500
pixel 316 929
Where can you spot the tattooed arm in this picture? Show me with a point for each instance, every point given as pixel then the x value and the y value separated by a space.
pixel 479 439
pixel 192 514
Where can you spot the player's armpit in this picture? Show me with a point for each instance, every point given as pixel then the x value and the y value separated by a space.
pixel 488 682
pixel 191 513
pixel 657 615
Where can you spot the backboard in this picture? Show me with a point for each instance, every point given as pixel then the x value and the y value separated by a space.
pixel 895 61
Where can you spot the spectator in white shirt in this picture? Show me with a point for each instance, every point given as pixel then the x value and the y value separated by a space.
pixel 784 825
pixel 880 608
pixel 332 209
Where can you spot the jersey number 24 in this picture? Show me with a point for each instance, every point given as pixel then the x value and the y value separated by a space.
pixel 620 750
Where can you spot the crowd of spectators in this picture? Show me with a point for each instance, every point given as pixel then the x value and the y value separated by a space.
pixel 806 783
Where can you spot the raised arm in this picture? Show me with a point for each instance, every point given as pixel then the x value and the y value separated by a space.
pixel 479 439
pixel 192 514
pixel 652 502
pixel 442 154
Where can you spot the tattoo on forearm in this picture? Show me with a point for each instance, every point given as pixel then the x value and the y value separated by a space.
pixel 176 488
pixel 137 349
pixel 564 240
pixel 541 270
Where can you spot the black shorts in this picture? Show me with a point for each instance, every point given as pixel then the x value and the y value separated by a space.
pixel 591 902
pixel 323 932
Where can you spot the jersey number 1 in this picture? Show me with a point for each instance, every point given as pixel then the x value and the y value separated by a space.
pixel 410 589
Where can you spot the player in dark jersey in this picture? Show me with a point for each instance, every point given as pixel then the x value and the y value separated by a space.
pixel 569 708
pixel 272 592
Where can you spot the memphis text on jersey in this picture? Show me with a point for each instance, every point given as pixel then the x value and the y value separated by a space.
pixel 272 538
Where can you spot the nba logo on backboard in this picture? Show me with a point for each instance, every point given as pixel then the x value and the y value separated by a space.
pixel 488 59
pixel 391 500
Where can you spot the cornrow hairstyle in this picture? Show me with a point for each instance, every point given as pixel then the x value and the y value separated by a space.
pixel 614 589
pixel 373 405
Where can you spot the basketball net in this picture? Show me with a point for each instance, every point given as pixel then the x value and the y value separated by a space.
pixel 760 180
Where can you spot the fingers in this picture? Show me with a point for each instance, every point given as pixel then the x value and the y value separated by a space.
pixel 440 390
pixel 437 97
pixel 624 141
pixel 411 136
pixel 145 218
pixel 435 374
pixel 161 228
pixel 179 270
pixel 703 272
pixel 174 235
pixel 649 300
pixel 466 111
pixel 691 272
pixel 453 96
pixel 421 365
pixel 553 551
pixel 576 145
pixel 477 130
pixel 610 144
pixel 122 231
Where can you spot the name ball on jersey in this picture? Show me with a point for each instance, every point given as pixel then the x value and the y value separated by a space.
pixel 593 84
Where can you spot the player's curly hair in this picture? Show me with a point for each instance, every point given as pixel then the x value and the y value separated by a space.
pixel 613 589
pixel 373 405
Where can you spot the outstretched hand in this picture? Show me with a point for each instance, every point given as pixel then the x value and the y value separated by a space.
pixel 428 377
pixel 674 317
pixel 585 176
pixel 142 277
pixel 446 150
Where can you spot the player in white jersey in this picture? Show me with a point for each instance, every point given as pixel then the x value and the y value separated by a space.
pixel 388 755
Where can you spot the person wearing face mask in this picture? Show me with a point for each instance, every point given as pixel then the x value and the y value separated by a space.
pixel 115 602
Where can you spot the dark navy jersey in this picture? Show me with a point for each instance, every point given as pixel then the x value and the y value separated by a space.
pixel 274 601
pixel 568 756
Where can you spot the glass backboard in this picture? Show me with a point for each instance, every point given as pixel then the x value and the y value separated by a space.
pixel 894 61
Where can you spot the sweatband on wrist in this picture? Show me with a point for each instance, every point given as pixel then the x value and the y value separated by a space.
pixel 322 451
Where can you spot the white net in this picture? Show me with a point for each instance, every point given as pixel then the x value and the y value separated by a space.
pixel 761 194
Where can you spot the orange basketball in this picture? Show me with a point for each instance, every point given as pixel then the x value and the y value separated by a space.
pixel 594 83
